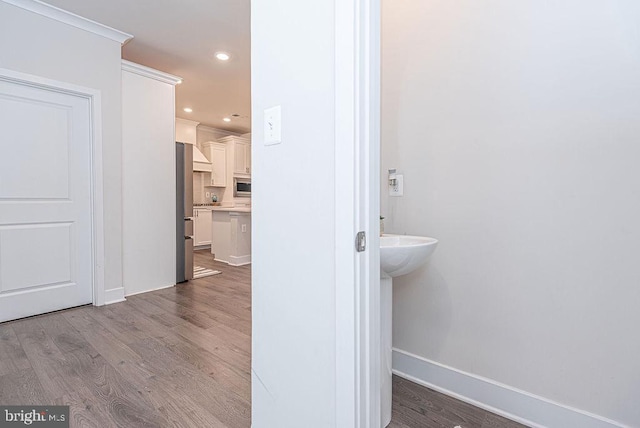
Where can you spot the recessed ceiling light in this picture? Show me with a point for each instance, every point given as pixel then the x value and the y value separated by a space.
pixel 188 109
pixel 226 119
pixel 223 56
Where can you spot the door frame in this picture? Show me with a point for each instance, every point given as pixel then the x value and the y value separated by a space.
pixel 357 190
pixel 96 171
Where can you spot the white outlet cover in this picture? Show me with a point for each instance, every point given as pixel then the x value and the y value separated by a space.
pixel 272 126
pixel 398 189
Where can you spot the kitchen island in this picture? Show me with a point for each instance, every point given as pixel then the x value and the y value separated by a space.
pixel 231 234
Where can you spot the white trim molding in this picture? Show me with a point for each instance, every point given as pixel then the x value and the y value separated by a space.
pixel 72 19
pixel 218 130
pixel 140 292
pixel 512 403
pixel 357 197
pixel 115 295
pixel 187 122
pixel 239 260
pixel 151 73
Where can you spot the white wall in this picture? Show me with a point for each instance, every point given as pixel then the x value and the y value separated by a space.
pixel 186 131
pixel 149 183
pixel 37 45
pixel 293 356
pixel 516 126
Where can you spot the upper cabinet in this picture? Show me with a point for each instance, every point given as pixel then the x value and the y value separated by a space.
pixel 242 158
pixel 217 154
pixel 238 155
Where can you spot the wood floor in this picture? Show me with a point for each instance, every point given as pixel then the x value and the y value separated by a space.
pixel 178 357
pixel 416 406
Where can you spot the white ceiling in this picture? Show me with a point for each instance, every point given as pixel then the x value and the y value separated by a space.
pixel 181 37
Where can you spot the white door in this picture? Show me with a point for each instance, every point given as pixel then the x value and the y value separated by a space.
pixel 45 201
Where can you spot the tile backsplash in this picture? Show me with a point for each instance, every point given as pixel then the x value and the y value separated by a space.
pixel 200 192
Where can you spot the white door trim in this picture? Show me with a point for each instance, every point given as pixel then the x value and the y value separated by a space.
pixel 97 215
pixel 357 148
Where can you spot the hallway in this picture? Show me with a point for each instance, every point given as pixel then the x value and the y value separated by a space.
pixel 178 357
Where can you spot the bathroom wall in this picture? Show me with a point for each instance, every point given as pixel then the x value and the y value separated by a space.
pixel 516 126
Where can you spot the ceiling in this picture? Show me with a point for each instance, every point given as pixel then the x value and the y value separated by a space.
pixel 181 38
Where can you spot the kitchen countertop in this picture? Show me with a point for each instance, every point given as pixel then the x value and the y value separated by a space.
pixel 240 209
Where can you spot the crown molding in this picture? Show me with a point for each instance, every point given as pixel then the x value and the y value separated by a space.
pixel 187 121
pixel 72 19
pixel 152 73
pixel 218 130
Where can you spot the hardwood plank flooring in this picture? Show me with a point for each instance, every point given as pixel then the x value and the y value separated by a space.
pixel 415 406
pixel 177 357
pixel 12 356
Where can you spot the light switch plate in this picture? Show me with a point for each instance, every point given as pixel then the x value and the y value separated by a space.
pixel 272 126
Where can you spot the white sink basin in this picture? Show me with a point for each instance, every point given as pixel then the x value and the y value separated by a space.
pixel 401 254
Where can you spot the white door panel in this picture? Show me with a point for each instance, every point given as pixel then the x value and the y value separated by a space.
pixel 35 168
pixel 49 251
pixel 45 201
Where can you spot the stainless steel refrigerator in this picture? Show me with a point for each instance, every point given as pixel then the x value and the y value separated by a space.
pixel 184 211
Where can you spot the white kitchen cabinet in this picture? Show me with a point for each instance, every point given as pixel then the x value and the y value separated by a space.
pixel 238 155
pixel 242 158
pixel 231 236
pixel 217 155
pixel 201 227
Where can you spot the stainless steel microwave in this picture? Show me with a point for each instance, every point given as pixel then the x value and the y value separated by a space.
pixel 242 187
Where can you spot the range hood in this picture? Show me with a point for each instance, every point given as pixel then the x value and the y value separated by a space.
pixel 200 162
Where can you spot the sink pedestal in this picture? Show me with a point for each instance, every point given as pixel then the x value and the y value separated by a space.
pixel 399 255
pixel 386 310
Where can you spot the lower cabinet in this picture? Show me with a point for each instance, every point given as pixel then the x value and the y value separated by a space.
pixel 232 237
pixel 201 227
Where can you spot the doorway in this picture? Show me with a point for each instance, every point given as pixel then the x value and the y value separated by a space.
pixel 49 198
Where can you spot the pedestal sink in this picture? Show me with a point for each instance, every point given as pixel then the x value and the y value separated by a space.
pixel 399 255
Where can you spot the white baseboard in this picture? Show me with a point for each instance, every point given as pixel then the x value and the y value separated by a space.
pixel 147 291
pixel 240 260
pixel 514 404
pixel 115 295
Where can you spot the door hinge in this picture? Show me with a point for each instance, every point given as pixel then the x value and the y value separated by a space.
pixel 361 241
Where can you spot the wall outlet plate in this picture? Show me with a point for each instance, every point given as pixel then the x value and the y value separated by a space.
pixel 398 189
